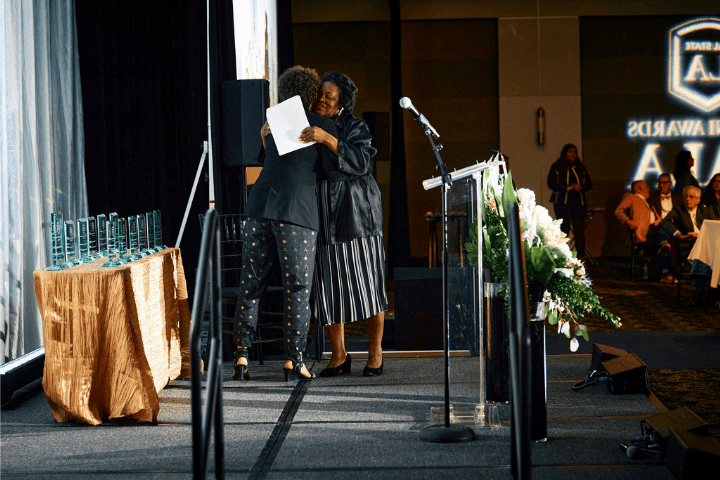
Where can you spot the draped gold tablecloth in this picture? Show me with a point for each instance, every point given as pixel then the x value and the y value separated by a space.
pixel 114 337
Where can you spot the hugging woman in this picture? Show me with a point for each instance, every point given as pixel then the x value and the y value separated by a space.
pixel 282 225
pixel 350 267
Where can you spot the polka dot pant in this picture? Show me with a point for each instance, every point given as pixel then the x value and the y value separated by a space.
pixel 264 243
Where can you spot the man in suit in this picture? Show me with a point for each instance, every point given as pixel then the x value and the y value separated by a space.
pixel 662 201
pixel 635 213
pixel 684 224
pixel 684 221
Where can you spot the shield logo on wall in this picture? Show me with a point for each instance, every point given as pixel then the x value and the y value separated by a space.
pixel 694 63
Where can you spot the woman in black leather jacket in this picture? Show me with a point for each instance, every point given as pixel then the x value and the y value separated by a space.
pixel 350 263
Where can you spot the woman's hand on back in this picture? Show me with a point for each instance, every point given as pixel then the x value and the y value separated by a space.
pixel 264 132
pixel 318 135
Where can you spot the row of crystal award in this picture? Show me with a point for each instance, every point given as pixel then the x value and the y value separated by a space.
pixel 121 240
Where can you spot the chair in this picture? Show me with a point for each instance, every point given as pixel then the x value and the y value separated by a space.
pixel 270 318
pixel 636 250
pixel 681 265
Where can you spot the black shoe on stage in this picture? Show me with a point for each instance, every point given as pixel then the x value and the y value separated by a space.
pixel 340 369
pixel 374 372
pixel 295 373
pixel 240 372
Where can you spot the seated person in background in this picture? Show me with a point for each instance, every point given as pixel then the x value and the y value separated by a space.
pixel 635 213
pixel 711 196
pixel 662 201
pixel 684 223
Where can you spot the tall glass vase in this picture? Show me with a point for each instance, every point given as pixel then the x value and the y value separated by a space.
pixel 497 347
pixel 497 344
pixel 536 332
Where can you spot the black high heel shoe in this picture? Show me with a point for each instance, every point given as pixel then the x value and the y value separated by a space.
pixel 241 371
pixel 295 373
pixel 374 372
pixel 344 367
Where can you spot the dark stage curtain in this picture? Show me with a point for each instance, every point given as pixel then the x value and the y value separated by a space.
pixel 143 70
pixel 399 229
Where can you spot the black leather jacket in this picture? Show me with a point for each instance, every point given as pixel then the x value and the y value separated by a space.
pixel 355 204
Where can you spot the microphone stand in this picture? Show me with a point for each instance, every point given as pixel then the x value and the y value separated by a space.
pixel 445 433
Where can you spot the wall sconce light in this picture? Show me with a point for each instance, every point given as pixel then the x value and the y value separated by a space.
pixel 540 124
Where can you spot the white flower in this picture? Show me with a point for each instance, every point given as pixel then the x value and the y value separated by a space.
pixel 574 344
pixel 526 198
pixel 566 272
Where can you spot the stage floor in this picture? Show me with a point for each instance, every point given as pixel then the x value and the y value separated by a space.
pixel 344 427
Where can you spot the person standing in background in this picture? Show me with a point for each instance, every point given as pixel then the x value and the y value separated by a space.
pixel 683 173
pixel 569 180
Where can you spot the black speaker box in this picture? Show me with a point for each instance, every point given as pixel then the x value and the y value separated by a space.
pixel 680 419
pixel 418 309
pixel 628 374
pixel 692 456
pixel 243 113
pixel 602 353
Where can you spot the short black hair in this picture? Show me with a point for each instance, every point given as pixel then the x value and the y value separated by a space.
pixel 348 90
pixel 299 80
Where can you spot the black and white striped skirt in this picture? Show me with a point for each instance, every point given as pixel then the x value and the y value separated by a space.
pixel 349 277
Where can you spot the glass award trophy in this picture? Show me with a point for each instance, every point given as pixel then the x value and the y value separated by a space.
pixel 112 234
pixel 92 238
pixel 83 241
pixel 157 219
pixel 102 235
pixel 142 234
pixel 122 241
pixel 133 238
pixel 150 222
pixel 56 241
pixel 69 233
pixel 112 229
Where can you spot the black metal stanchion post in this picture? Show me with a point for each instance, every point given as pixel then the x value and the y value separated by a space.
pixel 520 372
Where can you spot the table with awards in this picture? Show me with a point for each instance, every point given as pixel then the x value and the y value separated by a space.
pixel 116 328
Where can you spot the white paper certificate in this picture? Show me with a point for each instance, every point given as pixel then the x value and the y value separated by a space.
pixel 287 120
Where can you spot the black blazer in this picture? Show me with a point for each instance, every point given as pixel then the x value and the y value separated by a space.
pixel 286 187
pixel 655 202
pixel 678 220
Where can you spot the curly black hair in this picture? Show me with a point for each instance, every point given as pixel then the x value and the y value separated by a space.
pixel 348 90
pixel 299 80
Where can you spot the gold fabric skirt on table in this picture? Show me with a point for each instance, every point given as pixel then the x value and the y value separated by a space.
pixel 114 337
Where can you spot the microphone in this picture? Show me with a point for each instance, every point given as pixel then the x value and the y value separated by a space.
pixel 407 105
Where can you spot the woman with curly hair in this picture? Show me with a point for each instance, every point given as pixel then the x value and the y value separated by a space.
pixel 281 226
pixel 350 266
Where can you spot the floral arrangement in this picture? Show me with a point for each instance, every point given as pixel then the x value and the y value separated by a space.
pixel 548 258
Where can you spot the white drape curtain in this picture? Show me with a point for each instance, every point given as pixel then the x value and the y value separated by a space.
pixel 41 154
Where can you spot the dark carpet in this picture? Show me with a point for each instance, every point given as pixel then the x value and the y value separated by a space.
pixel 646 306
